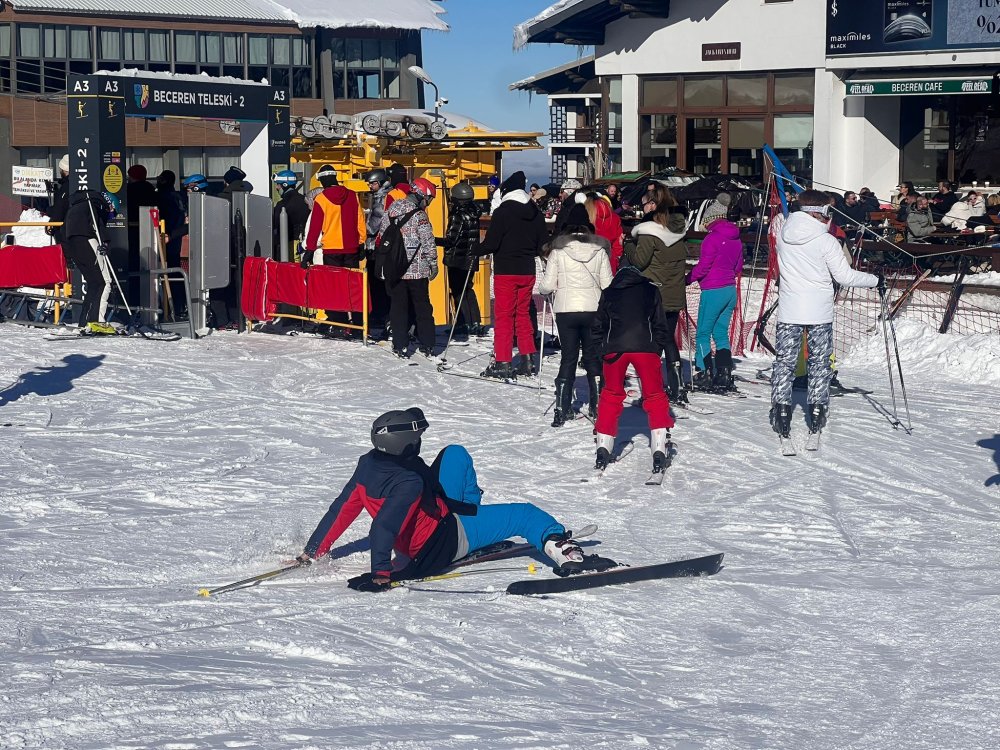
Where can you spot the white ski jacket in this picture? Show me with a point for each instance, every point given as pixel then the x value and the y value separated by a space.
pixel 578 270
pixel 809 260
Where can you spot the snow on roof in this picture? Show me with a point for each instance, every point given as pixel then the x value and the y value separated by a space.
pixel 252 10
pixel 524 82
pixel 200 77
pixel 522 32
pixel 332 14
pixel 377 14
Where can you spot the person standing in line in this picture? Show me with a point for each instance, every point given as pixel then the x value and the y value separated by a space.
pixel 514 239
pixel 661 256
pixel 607 224
pixel 578 270
pixel 337 230
pixel 83 231
pixel 631 326
pixel 718 268
pixel 412 290
pixel 379 186
pixel 173 214
pixel 60 200
pixel 296 211
pixel 810 259
pixel 461 256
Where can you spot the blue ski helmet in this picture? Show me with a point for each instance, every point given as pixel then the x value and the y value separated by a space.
pixel 286 178
pixel 196 183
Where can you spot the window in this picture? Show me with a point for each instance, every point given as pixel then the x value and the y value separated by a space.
pixel 209 48
pixel 110 44
pixel 54 38
pixel 218 161
pixel 257 50
pixel 135 45
pixel 232 49
pixel 657 142
pixel 793 89
pixel 658 93
pixel 365 68
pixel 703 92
pixel 79 43
pixel 363 84
pixel 185 47
pixel 281 51
pixel 746 91
pixel 390 88
pixel 390 54
pixel 5 69
pixel 5 40
pixel 746 137
pixel 793 142
pixel 159 46
pixel 704 144
pixel 29 42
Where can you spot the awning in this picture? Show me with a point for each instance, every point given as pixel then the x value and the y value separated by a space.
pixel 919 86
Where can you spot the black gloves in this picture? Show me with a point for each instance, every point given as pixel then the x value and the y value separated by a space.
pixel 306 259
pixel 881 284
pixel 304 559
pixel 370 583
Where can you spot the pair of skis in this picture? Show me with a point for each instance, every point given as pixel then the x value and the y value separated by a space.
pixel 812 443
pixel 655 478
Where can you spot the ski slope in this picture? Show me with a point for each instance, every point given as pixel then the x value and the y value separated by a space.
pixel 857 608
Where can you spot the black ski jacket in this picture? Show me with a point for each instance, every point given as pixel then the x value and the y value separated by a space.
pixel 515 236
pixel 630 316
pixel 79 221
pixel 461 243
pixel 297 209
pixel 60 204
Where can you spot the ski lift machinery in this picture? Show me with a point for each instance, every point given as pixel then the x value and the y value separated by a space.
pixel 434 145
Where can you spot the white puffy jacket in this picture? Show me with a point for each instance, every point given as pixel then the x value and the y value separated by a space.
pixel 578 270
pixel 809 260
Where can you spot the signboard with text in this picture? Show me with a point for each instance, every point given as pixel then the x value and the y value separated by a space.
pixel 913 87
pixel 30 181
pixel 858 27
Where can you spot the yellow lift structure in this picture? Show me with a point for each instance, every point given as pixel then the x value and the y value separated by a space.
pixel 470 154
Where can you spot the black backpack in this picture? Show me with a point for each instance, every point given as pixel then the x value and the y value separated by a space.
pixel 389 260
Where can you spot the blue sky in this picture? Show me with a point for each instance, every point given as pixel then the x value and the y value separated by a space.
pixel 475 62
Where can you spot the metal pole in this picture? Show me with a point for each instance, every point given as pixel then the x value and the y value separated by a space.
pixel 283 250
pixel 458 309
pixel 541 347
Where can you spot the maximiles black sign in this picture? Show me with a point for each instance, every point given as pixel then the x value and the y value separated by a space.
pixel 884 26
pixel 159 97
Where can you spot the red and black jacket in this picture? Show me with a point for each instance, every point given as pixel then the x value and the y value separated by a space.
pixel 408 515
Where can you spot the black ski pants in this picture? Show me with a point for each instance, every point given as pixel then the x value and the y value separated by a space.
pixel 401 295
pixel 78 251
pixel 575 333
pixel 672 354
pixel 468 312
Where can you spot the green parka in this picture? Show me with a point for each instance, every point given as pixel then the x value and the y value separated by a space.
pixel 661 256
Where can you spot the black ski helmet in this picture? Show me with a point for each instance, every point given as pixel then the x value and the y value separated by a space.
pixel 377 175
pixel 327 176
pixel 398 432
pixel 462 192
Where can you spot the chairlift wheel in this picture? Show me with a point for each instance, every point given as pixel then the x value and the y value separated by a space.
pixel 393 128
pixel 438 130
pixel 370 124
pixel 308 129
pixel 416 130
pixel 322 126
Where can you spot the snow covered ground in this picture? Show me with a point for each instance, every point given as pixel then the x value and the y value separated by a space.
pixel 858 605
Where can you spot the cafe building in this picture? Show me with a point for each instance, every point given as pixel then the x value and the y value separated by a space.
pixel 850 93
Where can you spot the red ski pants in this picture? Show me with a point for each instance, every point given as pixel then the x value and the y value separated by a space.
pixel 511 309
pixel 654 398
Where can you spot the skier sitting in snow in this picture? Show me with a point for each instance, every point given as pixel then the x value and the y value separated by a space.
pixel 809 260
pixel 632 328
pixel 430 515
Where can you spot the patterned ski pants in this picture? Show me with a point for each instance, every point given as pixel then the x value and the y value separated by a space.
pixel 788 339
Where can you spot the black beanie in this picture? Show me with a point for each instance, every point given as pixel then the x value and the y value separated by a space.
pixel 233 174
pixel 578 216
pixel 516 181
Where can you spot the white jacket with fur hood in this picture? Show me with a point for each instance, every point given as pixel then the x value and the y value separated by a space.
pixel 578 270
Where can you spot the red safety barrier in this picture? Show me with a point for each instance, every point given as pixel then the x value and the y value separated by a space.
pixel 266 283
pixel 32 266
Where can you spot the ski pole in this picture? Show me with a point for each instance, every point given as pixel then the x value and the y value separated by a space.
pixel 458 311
pixel 541 346
pixel 251 581
pixel 902 385
pixel 111 268
pixel 532 568
pixel 888 358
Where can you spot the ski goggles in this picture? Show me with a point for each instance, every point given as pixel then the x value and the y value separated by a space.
pixel 415 426
pixel 823 211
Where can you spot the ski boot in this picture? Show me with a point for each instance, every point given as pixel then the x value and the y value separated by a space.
pixel 704 378
pixel 605 444
pixel 564 403
pixel 569 558
pixel 96 328
pixel 528 365
pixel 402 353
pixel 723 380
pixel 817 414
pixel 659 439
pixel 595 393
pixel 781 420
pixel 426 351
pixel 499 371
pixel 460 333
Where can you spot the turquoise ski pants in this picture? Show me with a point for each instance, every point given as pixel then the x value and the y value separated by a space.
pixel 715 312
